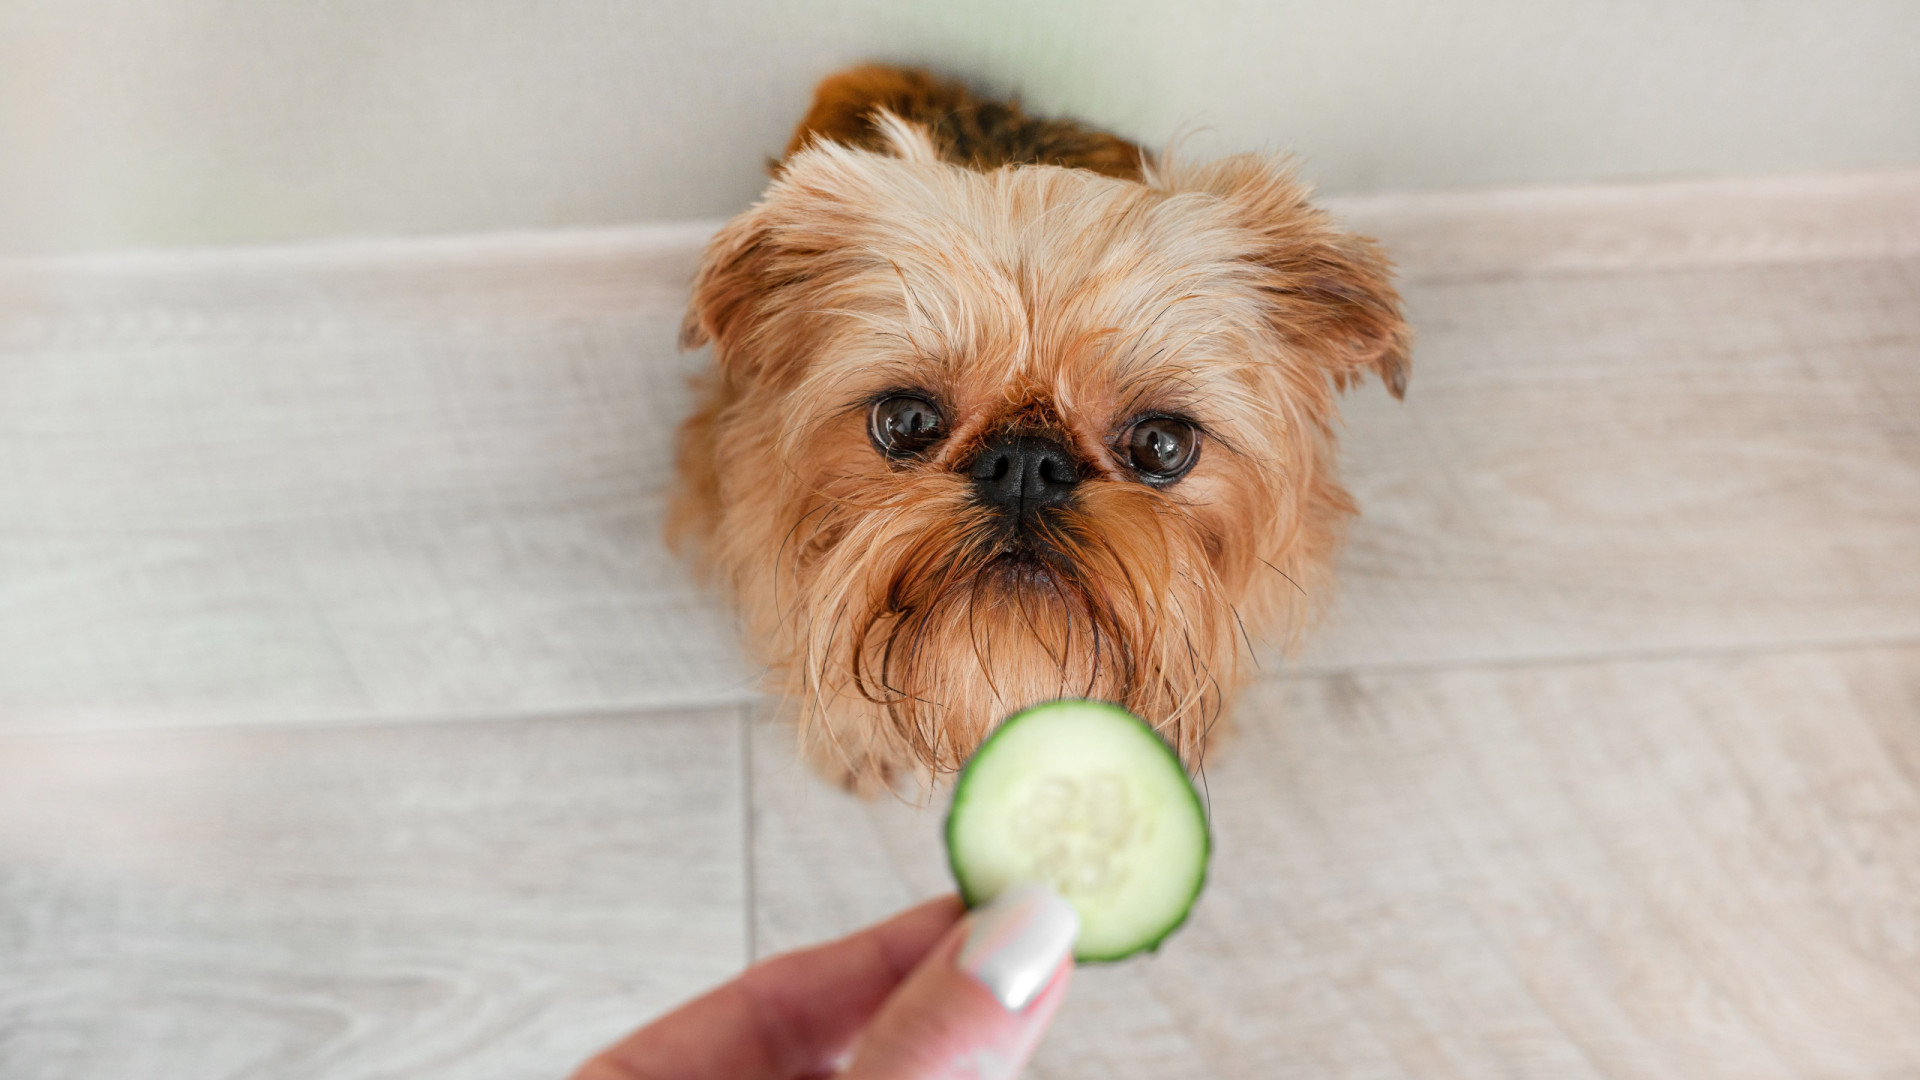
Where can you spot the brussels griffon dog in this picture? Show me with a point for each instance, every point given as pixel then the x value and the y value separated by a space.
pixel 1004 409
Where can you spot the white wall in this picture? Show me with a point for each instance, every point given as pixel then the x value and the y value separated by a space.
pixel 158 122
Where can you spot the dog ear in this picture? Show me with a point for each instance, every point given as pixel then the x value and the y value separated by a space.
pixel 763 277
pixel 759 283
pixel 732 275
pixel 1330 291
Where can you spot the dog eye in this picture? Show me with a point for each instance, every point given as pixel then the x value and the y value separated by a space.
pixel 902 425
pixel 1162 449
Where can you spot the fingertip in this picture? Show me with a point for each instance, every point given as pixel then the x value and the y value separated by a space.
pixel 944 1021
pixel 1015 944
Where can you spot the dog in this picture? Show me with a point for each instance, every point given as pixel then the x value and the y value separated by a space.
pixel 1004 409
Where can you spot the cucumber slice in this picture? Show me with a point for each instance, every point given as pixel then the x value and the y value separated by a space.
pixel 1085 797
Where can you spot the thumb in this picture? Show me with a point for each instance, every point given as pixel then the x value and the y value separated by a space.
pixel 978 1004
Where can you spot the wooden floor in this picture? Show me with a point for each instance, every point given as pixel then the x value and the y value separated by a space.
pixel 354 723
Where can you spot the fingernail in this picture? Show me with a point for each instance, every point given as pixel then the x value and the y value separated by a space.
pixel 1015 943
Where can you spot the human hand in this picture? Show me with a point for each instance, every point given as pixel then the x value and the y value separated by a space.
pixel 926 995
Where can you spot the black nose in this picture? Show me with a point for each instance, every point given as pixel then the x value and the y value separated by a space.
pixel 1021 474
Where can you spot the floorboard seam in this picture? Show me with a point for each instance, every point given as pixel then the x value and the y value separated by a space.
pixel 670 712
pixel 747 858
pixel 1494 663
pixel 648 713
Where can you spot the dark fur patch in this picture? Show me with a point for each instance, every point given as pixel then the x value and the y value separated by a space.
pixel 979 133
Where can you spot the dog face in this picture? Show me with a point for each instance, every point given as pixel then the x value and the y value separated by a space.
pixel 981 439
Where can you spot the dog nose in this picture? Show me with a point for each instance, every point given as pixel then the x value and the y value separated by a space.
pixel 1023 473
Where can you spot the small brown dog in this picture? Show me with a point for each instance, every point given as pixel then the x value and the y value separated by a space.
pixel 1005 410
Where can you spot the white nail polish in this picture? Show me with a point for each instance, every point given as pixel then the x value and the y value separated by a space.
pixel 1015 943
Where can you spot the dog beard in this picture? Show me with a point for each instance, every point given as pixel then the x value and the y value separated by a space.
pixel 929 617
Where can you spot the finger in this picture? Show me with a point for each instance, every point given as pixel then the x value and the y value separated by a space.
pixel 979 1003
pixel 785 1017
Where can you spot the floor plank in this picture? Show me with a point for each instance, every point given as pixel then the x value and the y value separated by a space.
pixel 1633 463
pixel 1688 868
pixel 363 483
pixel 454 900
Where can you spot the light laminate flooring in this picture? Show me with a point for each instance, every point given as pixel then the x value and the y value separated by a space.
pixel 355 723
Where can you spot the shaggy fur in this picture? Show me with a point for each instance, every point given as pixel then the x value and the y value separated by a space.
pixel 943 253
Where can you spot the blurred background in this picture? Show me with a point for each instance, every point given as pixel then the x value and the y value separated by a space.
pixel 355 720
pixel 131 123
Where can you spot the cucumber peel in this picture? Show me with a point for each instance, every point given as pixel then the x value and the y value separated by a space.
pixel 1084 797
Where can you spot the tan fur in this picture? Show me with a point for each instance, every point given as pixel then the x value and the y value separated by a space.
pixel 1031 298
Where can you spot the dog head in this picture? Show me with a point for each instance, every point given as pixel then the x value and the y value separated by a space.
pixel 981 439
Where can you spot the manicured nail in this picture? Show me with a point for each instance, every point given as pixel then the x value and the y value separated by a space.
pixel 1015 943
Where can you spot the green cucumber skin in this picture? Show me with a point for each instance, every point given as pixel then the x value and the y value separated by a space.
pixel 973 900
